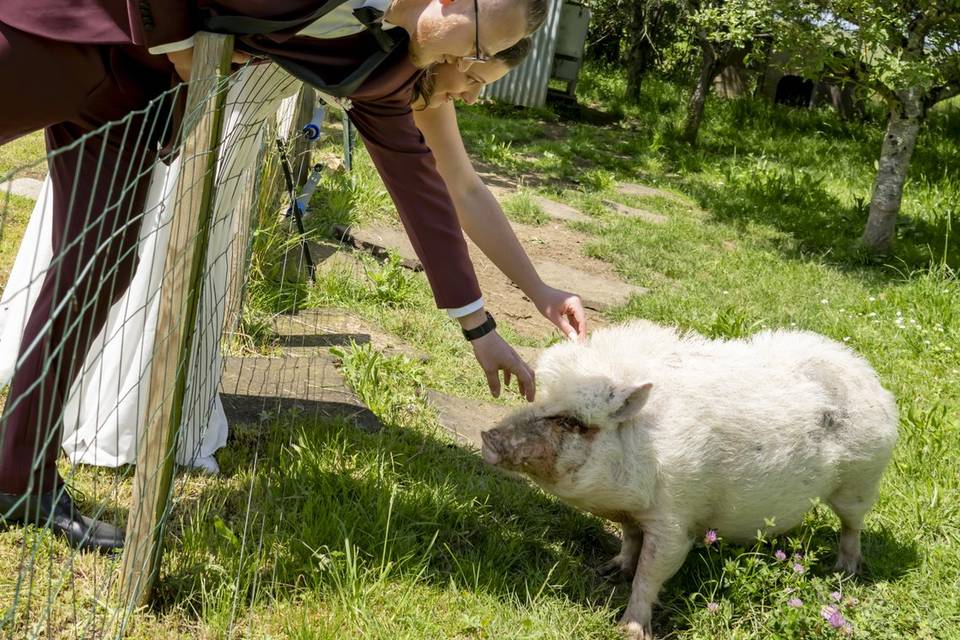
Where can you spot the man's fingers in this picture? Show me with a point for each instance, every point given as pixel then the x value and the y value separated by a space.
pixel 239 57
pixel 493 381
pixel 525 380
pixel 580 319
pixel 568 329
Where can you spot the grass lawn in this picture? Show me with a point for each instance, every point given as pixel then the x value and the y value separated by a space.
pixel 317 530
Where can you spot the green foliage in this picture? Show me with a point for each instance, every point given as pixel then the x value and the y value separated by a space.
pixel 521 206
pixel 885 46
pixel 392 284
pixel 390 386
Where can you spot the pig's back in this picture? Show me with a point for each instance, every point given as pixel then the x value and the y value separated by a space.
pixel 751 430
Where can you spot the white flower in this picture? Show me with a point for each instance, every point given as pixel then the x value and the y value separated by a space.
pixel 824 301
pixel 872 299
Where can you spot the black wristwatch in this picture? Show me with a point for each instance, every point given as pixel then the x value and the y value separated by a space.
pixel 478 332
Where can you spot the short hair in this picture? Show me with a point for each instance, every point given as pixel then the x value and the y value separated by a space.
pixel 513 56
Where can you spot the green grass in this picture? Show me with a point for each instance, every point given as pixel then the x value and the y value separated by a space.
pixel 316 530
pixel 23 158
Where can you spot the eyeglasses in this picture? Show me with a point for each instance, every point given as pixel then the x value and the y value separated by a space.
pixel 479 57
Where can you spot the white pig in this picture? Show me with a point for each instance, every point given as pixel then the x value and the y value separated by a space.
pixel 673 435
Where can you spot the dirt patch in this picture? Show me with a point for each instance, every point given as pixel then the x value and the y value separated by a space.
pixel 553 246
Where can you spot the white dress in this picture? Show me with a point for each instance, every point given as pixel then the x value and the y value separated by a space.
pixel 107 404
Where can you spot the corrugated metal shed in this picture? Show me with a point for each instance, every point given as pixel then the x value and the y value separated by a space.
pixel 527 84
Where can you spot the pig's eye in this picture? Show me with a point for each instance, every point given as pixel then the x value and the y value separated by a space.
pixel 570 422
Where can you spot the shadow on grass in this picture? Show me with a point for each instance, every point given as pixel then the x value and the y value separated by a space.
pixel 420 508
pixel 400 497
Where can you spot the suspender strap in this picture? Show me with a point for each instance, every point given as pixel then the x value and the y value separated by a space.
pixel 349 85
pixel 247 26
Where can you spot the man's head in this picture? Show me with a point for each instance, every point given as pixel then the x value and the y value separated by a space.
pixel 448 30
pixel 445 82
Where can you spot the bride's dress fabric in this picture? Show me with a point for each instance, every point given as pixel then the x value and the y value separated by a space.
pixel 107 404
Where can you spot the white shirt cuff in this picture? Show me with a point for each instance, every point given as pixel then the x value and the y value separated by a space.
pixel 170 47
pixel 467 310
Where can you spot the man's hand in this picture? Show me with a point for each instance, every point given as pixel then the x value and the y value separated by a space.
pixel 494 356
pixel 563 309
pixel 183 61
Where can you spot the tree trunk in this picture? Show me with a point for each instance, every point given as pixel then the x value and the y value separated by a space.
pixel 708 71
pixel 640 55
pixel 895 153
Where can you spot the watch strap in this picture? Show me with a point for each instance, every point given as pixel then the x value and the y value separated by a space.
pixel 478 332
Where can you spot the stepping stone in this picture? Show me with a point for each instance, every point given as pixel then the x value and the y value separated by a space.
pixel 560 211
pixel 303 334
pixel 252 388
pixel 23 187
pixel 466 418
pixel 379 239
pixel 643 191
pixel 330 257
pixel 596 292
pixel 632 212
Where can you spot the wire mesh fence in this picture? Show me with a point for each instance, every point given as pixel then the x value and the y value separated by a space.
pixel 140 320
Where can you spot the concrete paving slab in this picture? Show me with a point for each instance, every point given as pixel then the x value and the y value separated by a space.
pixel 560 211
pixel 309 331
pixel 466 418
pixel 23 187
pixel 596 292
pixel 255 388
pixel 643 191
pixel 379 239
pixel 633 212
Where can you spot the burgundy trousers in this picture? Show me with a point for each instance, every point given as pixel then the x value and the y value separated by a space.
pixel 100 177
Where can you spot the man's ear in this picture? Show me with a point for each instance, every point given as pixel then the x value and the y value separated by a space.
pixel 633 403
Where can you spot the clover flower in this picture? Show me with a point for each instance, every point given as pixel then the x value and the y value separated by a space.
pixel 779 555
pixel 713 607
pixel 833 616
pixel 710 537
pixel 796 603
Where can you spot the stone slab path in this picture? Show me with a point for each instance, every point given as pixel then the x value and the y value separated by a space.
pixel 306 333
pixel 633 212
pixel 643 191
pixel 466 418
pixel 23 187
pixel 597 292
pixel 255 388
pixel 560 211
pixel 378 238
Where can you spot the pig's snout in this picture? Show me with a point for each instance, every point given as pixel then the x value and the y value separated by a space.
pixel 490 452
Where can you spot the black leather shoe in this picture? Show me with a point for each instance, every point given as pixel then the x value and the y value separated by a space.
pixel 56 511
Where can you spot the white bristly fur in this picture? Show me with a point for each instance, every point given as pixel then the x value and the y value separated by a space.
pixel 733 433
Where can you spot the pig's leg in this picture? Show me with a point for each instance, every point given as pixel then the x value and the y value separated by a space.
pixel 851 506
pixel 625 562
pixel 664 550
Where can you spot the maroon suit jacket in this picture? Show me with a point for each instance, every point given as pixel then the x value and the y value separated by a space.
pixel 381 106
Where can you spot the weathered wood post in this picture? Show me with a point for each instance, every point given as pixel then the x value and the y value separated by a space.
pixel 180 295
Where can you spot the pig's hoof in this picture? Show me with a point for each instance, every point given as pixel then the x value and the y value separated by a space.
pixel 848 564
pixel 615 569
pixel 637 631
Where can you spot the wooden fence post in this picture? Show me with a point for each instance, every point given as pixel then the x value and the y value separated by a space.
pixel 180 294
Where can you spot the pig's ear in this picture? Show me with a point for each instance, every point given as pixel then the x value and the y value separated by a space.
pixel 633 403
